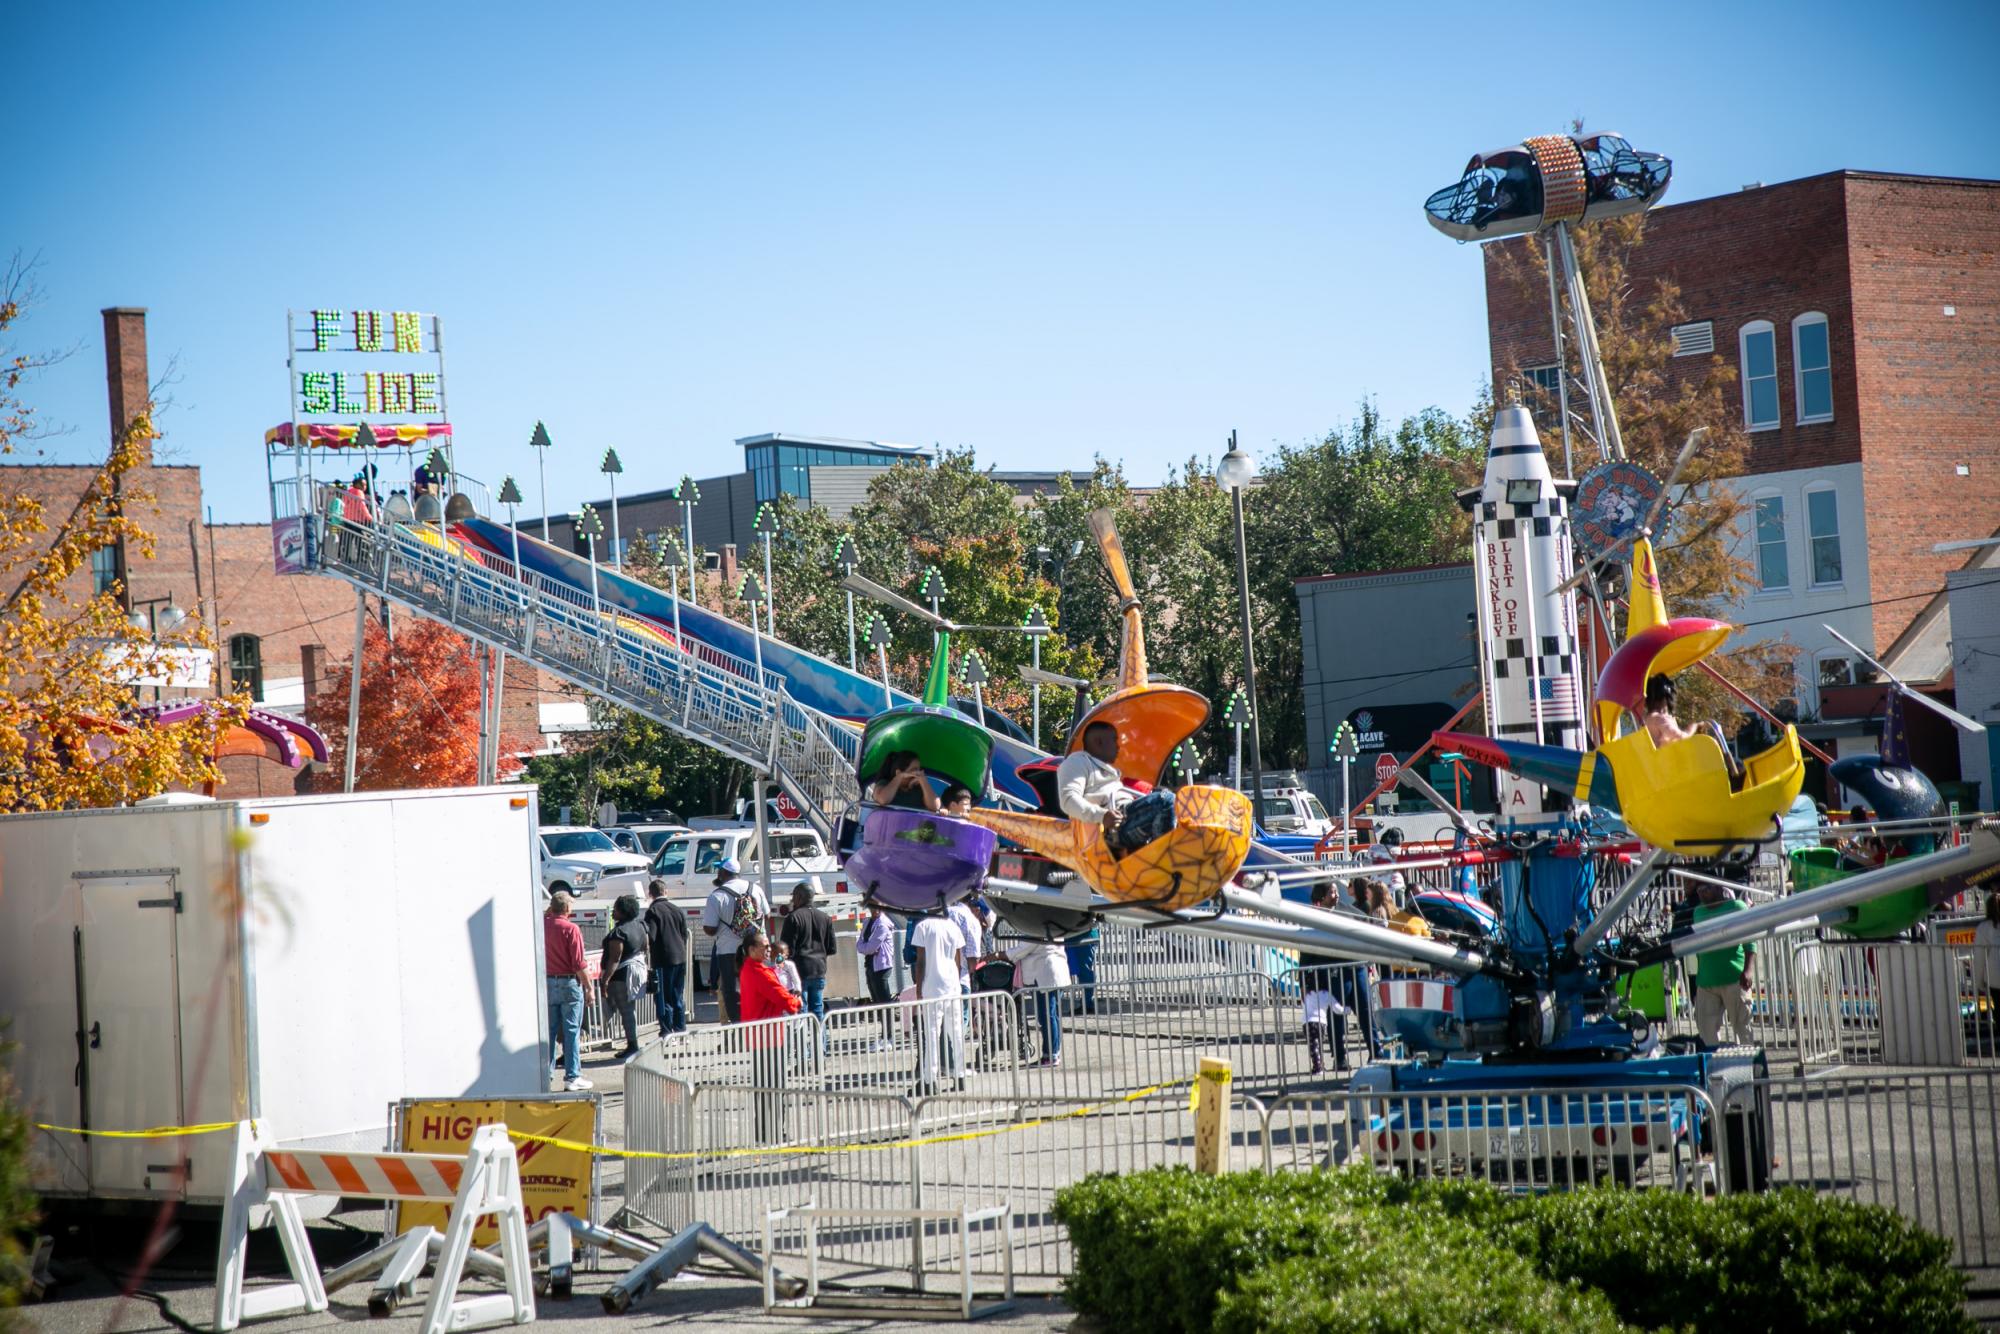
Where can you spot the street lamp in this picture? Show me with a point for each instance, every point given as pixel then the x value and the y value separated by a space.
pixel 664 545
pixel 611 467
pixel 876 636
pixel 155 624
pixel 974 670
pixel 1037 626
pixel 1236 713
pixel 765 525
pixel 591 527
pixel 510 496
pixel 848 559
pixel 753 593
pixel 932 589
pixel 1233 475
pixel 687 495
pixel 540 443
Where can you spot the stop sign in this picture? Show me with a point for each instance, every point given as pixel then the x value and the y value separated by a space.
pixel 1385 767
pixel 787 808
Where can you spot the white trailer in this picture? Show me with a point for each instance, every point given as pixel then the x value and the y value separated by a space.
pixel 303 961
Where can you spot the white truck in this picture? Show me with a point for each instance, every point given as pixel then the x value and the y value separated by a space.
pixel 304 961
pixel 687 861
pixel 585 862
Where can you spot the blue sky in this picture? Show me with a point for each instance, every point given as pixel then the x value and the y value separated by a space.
pixel 1045 232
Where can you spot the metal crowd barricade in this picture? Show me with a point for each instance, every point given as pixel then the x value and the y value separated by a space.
pixel 1523 1140
pixel 1921 1143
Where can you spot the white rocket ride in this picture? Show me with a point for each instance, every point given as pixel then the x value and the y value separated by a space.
pixel 1530 660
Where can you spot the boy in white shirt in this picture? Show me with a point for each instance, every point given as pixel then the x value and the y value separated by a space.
pixel 940 948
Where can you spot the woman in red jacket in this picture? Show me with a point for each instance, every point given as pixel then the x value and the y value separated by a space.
pixel 763 996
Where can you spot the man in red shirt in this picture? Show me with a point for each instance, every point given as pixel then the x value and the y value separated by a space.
pixel 564 963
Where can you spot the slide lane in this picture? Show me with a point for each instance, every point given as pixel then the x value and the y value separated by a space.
pixel 819 684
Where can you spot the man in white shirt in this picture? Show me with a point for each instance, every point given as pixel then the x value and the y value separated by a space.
pixel 940 947
pixel 719 919
pixel 1088 785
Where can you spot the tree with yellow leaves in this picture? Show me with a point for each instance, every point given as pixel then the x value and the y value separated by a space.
pixel 66 659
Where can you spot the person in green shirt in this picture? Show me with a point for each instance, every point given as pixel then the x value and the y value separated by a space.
pixel 1722 977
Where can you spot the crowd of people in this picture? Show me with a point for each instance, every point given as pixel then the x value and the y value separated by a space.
pixel 770 965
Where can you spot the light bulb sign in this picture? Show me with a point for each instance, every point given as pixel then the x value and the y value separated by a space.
pixel 366 365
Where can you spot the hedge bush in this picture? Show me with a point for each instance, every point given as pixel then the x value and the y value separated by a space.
pixel 1168 1250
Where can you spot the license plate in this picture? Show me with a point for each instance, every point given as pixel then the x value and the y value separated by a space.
pixel 1515 1144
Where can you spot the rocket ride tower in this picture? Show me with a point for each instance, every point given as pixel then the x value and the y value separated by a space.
pixel 1530 661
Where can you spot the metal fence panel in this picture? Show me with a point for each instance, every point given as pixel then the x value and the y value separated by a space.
pixel 1921 1143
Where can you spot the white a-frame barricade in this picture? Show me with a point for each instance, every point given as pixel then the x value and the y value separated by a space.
pixel 486 1181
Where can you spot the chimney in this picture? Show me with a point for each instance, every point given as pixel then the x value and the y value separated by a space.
pixel 125 369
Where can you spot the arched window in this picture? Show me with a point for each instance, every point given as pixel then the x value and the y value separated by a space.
pixel 1812 368
pixel 1757 346
pixel 246 665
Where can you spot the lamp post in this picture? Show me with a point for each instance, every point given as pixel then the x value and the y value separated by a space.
pixel 1233 474
pixel 1236 713
pixel 933 590
pixel 1346 747
pixel 155 623
pixel 611 467
pixel 540 443
pixel 753 593
pixel 975 676
pixel 663 547
pixel 766 527
pixel 1037 626
pixel 510 496
pixel 848 559
pixel 592 528
pixel 877 638
pixel 688 495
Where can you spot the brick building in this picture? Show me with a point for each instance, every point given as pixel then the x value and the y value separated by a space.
pixel 276 636
pixel 1861 311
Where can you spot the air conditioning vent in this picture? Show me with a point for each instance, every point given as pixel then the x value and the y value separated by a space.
pixel 1693 340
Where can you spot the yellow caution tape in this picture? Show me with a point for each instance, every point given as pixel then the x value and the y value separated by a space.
pixel 151 1132
pixel 1212 1076
pixel 578 1146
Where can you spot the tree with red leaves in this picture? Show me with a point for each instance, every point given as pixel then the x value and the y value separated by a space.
pixel 419 711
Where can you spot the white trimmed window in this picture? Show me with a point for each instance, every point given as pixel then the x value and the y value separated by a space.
pixel 1812 367
pixel 1835 670
pixel 1757 345
pixel 103 570
pixel 1823 536
pixel 1774 569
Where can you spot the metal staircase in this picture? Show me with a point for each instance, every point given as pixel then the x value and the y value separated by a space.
pixel 698 691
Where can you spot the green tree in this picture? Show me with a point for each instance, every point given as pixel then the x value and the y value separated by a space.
pixel 638 764
pixel 961 521
pixel 1363 498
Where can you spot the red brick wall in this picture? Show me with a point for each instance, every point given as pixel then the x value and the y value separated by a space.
pixel 1916 392
pixel 1929 383
pixel 1770 254
pixel 286 612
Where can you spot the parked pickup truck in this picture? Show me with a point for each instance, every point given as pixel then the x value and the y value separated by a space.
pixel 585 862
pixel 687 861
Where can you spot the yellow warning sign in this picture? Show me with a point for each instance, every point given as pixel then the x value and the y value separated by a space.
pixel 554 1179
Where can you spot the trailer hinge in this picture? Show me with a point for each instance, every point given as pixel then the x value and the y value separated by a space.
pixel 177 902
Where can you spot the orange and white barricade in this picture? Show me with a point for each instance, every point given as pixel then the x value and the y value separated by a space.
pixel 486 1181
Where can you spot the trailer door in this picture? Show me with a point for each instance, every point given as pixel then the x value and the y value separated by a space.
pixel 129 1029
